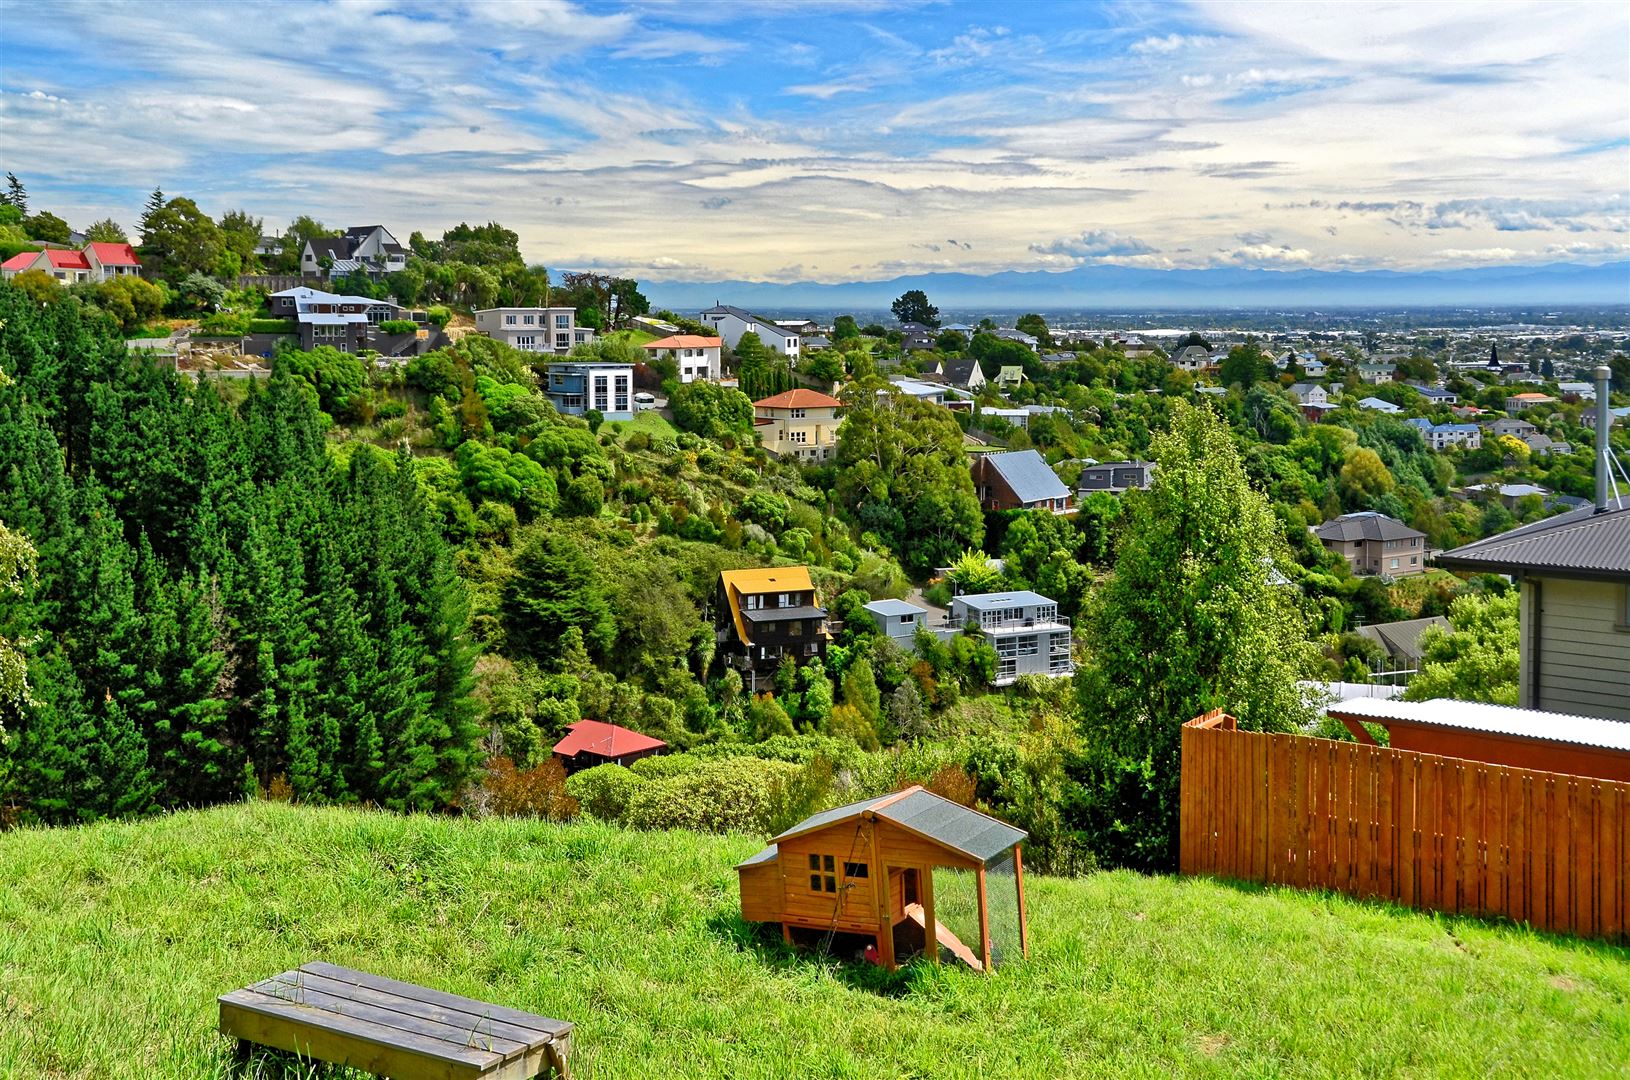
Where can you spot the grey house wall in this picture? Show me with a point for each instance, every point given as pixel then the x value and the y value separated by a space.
pixel 1575 647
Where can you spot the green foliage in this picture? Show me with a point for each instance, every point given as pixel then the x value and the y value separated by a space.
pixel 106 231
pixel 338 378
pixel 179 240
pixel 913 306
pixel 713 411
pixel 46 227
pixel 554 588
pixel 1190 621
pixel 398 326
pixel 1476 660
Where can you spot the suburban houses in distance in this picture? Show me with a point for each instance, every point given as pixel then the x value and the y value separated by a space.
pixel 1373 543
pixel 534 329
pixel 733 323
pixel 366 249
pixel 94 262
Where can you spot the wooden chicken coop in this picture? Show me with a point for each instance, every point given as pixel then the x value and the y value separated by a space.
pixel 869 869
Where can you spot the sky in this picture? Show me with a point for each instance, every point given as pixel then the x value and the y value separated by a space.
pixel 838 140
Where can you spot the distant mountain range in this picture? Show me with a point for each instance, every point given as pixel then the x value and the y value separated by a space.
pixel 1121 288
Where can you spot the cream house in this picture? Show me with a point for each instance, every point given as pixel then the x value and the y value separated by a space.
pixel 801 424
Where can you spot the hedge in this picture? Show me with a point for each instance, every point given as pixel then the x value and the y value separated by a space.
pixel 398 326
pixel 270 326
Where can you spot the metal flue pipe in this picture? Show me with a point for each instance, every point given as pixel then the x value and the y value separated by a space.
pixel 1604 421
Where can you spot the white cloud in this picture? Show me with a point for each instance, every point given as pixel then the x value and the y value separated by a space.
pixel 1161 46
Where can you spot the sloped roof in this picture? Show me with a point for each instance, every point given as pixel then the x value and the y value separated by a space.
pixel 1586 542
pixel 20 261
pixel 1402 638
pixel 747 316
pixel 949 824
pixel 1492 719
pixel 111 254
pixel 766 579
pixel 684 341
pixel 894 607
pixel 1365 525
pixel 960 372
pixel 1029 475
pixel 606 740
pixel 801 398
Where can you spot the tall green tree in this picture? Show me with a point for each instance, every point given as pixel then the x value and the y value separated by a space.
pixel 554 588
pixel 16 194
pixel 1194 618
pixel 913 306
pixel 106 231
pixel 1477 658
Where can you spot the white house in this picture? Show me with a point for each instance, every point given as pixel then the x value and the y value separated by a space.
pixel 607 388
pixel 1025 629
pixel 733 322
pixel 370 249
pixel 696 356
pixel 1310 393
pixel 1375 404
pixel 534 329
pixel 94 262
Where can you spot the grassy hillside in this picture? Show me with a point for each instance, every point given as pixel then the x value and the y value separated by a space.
pixel 115 939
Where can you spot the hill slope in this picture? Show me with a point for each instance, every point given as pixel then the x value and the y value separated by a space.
pixel 115 939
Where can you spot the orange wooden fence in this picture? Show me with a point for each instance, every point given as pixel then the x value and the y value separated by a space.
pixel 1431 832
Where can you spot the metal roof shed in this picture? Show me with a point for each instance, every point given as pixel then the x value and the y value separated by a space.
pixel 867 869
pixel 1497 734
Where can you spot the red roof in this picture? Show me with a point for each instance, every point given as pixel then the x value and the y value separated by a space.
pixel 604 740
pixel 67 260
pixel 684 341
pixel 20 261
pixel 800 399
pixel 115 254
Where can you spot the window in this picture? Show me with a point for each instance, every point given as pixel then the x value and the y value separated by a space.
pixel 822 875
pixel 563 341
pixel 563 322
pixel 755 603
pixel 855 870
pixel 799 414
pixel 1394 564
pixel 795 629
pixel 509 320
pixel 784 600
pixel 799 437
pixel 528 319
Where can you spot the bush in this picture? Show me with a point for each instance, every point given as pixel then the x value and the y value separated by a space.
pixel 270 326
pixel 539 792
pixel 604 791
pixel 734 795
pixel 441 316
pixel 398 326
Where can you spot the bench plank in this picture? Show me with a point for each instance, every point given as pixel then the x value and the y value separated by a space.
pixel 467 1023
pixel 401 1017
pixel 541 1024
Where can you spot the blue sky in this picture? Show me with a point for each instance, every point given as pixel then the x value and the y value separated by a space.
pixel 852 138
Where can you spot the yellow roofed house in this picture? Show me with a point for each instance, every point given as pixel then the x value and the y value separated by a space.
pixel 765 614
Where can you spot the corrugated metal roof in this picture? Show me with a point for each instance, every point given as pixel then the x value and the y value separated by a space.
pixel 1492 719
pixel 976 835
pixel 895 607
pixel 783 614
pixel 990 600
pixel 1584 542
pixel 1029 475
pixel 1402 639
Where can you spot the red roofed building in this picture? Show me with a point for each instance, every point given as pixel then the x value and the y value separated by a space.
pixel 697 356
pixel 593 742
pixel 800 424
pixel 95 262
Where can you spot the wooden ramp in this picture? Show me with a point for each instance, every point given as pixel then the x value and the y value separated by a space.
pixel 914 912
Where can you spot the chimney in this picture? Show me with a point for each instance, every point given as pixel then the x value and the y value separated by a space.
pixel 1604 456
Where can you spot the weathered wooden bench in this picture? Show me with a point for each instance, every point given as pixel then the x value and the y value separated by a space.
pixel 390 1028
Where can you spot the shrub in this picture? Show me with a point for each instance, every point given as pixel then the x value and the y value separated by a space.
pixel 270 326
pixel 398 326
pixel 604 791
pixel 735 795
pixel 539 792
pixel 441 316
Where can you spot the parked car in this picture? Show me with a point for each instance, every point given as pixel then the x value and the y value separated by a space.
pixel 642 400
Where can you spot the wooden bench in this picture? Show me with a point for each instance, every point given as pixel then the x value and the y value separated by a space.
pixel 390 1028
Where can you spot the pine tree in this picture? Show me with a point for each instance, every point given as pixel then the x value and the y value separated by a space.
pixel 16 194
pixel 155 203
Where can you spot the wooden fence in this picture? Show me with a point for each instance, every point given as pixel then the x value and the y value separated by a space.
pixel 1431 832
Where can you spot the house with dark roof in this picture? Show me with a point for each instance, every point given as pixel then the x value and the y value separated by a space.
pixel 1192 358
pixel 1402 640
pixel 592 742
pixel 734 323
pixel 1019 480
pixel 1115 477
pixel 801 424
pixel 964 373
pixel 1373 543
pixel 96 261
pixel 368 249
pixel 764 615
pixel 868 869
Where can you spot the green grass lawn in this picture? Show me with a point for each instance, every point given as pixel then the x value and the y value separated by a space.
pixel 115 940
pixel 649 421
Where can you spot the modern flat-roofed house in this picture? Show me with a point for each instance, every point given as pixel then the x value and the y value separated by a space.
pixel 592 742
pixel 575 387
pixel 1025 629
pixel 761 616
pixel 1436 396
pixel 697 357
pixel 897 619
pixel 801 424
pixel 734 322
pixel 1019 480
pixel 1373 543
pixel 325 318
pixel 1115 477
pixel 552 330
pixel 370 249
pixel 1574 620
pixel 96 261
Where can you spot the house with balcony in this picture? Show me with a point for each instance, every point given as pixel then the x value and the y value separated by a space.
pixel 1019 480
pixel 96 261
pixel 1373 543
pixel 368 249
pixel 577 387
pixel 733 323
pixel 1025 629
pixel 552 330
pixel 1517 403
pixel 764 615
pixel 696 357
pixel 801 424
pixel 324 318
